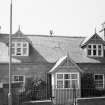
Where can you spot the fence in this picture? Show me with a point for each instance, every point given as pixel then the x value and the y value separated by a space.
pixel 41 90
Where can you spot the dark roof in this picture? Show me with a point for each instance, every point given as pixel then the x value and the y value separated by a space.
pixel 52 48
pixel 55 47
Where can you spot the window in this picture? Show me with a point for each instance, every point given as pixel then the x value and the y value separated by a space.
pixel 20 49
pixel 95 50
pixel 67 80
pixel 18 78
pixel 99 81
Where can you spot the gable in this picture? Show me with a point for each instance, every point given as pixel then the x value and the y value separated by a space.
pixel 94 39
pixel 19 36
pixel 65 64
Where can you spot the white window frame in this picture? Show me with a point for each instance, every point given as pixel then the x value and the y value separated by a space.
pixel 21 48
pixel 97 49
pixel 98 80
pixel 13 81
pixel 78 79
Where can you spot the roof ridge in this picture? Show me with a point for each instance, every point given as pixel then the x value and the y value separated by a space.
pixel 54 36
pixel 43 35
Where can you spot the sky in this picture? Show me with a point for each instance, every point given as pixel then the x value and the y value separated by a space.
pixel 64 17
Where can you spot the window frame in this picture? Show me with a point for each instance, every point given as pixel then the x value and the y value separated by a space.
pixel 97 49
pixel 99 80
pixel 13 81
pixel 21 47
pixel 70 73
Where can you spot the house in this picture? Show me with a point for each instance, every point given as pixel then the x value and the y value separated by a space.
pixel 73 67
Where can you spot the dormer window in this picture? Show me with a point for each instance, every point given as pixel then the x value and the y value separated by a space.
pixel 20 48
pixel 95 50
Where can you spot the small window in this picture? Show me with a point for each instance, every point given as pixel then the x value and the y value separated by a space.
pixel 99 81
pixel 18 78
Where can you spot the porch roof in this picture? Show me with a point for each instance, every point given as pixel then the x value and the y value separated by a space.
pixel 66 60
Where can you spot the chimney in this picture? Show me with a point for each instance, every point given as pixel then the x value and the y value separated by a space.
pixel 51 32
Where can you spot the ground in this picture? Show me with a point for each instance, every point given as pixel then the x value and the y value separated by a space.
pixel 92 101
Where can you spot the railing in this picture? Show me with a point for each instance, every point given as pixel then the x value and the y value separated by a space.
pixel 92 92
pixel 44 94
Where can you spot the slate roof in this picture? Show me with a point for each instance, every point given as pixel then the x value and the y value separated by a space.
pixel 55 47
pixel 52 48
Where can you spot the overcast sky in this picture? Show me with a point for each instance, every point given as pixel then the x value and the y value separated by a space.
pixel 64 17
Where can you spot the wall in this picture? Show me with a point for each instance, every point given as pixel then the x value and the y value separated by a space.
pixel 87 81
pixel 33 71
pixel 29 70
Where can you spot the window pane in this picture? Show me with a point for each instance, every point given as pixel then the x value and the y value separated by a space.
pixel 24 51
pixel 99 46
pixel 18 44
pixel 13 44
pixel 67 84
pixel 99 82
pixel 89 52
pixel 94 52
pixel 18 51
pixel 75 84
pixel 99 86
pixel 24 44
pixel 59 84
pixel 89 46
pixel 59 76
pixel 13 51
pixel 98 77
pixel 16 78
pixel 99 52
pixel 21 78
pixel 73 76
pixel 94 46
pixel 67 76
